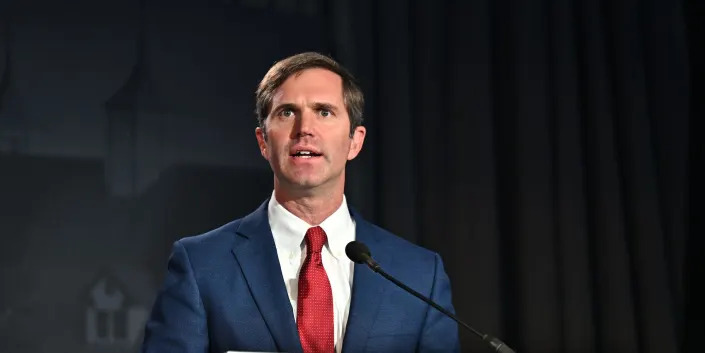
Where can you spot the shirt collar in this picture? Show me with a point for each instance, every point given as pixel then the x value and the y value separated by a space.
pixel 289 230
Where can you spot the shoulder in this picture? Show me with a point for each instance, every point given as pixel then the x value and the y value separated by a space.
pixel 213 238
pixel 387 244
pixel 208 248
pixel 393 240
pixel 412 264
pixel 225 236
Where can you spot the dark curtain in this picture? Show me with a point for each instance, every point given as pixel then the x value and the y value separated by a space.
pixel 695 246
pixel 541 147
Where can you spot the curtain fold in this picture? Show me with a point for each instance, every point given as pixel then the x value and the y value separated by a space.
pixel 541 149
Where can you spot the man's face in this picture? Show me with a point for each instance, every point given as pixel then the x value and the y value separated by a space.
pixel 308 138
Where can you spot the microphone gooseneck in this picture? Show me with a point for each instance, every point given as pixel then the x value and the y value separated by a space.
pixel 359 253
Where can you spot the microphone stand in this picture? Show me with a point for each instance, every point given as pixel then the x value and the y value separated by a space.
pixel 494 342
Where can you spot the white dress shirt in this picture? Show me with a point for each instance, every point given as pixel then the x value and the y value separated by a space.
pixel 289 231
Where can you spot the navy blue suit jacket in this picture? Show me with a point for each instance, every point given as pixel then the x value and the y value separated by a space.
pixel 224 290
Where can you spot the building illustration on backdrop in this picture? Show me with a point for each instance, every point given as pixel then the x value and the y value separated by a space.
pixel 116 312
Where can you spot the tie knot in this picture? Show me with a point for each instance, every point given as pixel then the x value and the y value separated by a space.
pixel 315 238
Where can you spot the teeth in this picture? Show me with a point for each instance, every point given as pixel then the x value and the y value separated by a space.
pixel 305 154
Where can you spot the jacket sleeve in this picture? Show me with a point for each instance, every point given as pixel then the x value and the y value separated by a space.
pixel 439 332
pixel 177 322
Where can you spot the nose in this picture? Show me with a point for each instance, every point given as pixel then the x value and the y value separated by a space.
pixel 305 124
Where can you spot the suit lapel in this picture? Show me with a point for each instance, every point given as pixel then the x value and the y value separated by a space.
pixel 256 254
pixel 367 290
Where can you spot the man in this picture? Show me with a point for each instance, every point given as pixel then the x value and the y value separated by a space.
pixel 278 280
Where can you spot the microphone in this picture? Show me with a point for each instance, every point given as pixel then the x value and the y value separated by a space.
pixel 359 253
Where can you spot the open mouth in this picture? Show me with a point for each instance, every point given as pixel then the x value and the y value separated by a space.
pixel 305 154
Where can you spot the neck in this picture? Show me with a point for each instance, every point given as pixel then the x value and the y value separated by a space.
pixel 313 209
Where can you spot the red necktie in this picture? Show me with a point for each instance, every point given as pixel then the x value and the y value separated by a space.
pixel 314 307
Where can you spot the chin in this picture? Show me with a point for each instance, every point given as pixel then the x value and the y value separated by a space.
pixel 305 181
pixel 306 184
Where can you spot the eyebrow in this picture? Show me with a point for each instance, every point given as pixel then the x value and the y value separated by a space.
pixel 280 107
pixel 325 106
pixel 315 105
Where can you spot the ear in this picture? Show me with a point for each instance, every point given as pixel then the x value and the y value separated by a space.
pixel 358 138
pixel 262 143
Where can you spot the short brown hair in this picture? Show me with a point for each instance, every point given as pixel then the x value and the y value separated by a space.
pixel 282 70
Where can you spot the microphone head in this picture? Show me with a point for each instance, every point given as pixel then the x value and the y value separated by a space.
pixel 357 252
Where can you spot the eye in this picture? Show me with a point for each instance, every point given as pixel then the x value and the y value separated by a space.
pixel 325 113
pixel 287 113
